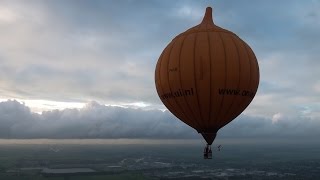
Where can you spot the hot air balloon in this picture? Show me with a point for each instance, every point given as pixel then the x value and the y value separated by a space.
pixel 206 76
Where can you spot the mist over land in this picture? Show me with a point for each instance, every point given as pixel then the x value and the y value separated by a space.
pixel 129 159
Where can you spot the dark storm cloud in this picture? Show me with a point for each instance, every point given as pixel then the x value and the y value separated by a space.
pixel 279 126
pixel 99 121
pixel 92 121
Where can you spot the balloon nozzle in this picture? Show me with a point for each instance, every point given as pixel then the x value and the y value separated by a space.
pixel 208 16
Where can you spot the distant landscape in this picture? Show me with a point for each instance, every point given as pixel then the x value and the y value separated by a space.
pixel 114 160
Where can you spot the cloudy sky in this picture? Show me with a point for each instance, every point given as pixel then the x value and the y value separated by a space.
pixel 85 69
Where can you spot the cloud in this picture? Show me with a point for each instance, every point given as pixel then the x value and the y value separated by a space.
pixel 278 126
pixel 277 117
pixel 78 51
pixel 92 121
pixel 100 121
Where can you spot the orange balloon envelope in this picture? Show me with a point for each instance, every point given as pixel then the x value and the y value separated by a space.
pixel 207 76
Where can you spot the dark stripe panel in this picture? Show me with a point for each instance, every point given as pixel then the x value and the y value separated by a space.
pixel 163 74
pixel 174 82
pixel 232 71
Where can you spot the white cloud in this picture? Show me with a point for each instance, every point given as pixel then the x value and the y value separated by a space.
pixel 277 117
pixel 190 12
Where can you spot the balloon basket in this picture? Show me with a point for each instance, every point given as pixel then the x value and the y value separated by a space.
pixel 207 152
